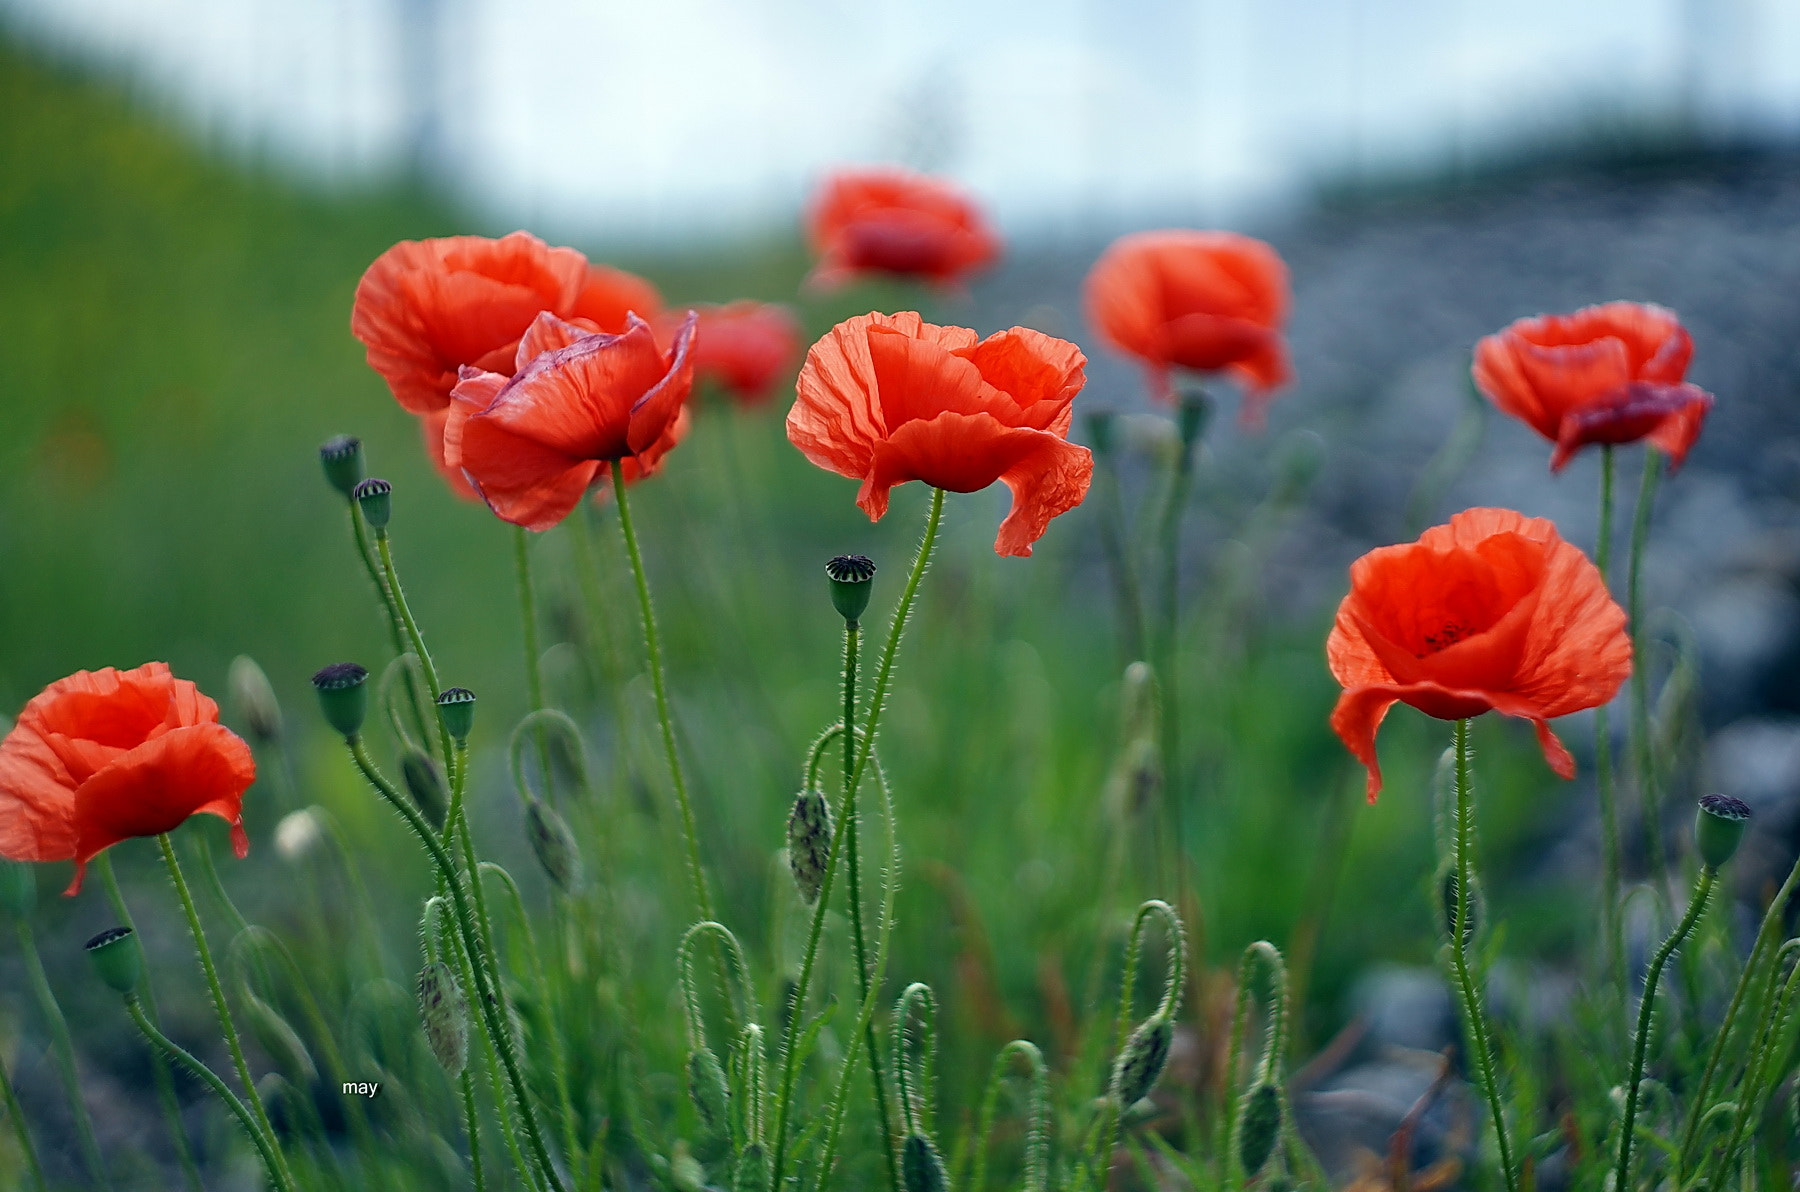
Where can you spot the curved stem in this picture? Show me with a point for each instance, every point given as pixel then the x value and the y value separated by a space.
pixel 1037 1130
pixel 1474 1021
pixel 236 1046
pixel 1764 1052
pixel 1696 908
pixel 64 1049
pixel 1648 790
pixel 653 646
pixel 1610 861
pixel 265 1145
pixel 398 595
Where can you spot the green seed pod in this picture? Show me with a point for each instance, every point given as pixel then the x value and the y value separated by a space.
pixel 18 888
pixel 852 582
pixel 456 708
pixel 921 1167
pixel 1259 1125
pixel 343 696
pixel 554 844
pixel 278 1039
pixel 445 1012
pixel 117 959
pixel 255 700
pixel 1141 1063
pixel 376 499
pixel 710 1094
pixel 752 1170
pixel 342 459
pixel 809 831
pixel 425 783
pixel 1447 899
pixel 1719 827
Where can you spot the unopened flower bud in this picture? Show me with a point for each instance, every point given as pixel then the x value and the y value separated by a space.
pixel 445 1013
pixel 255 700
pixel 278 1039
pixel 343 696
pixel 1140 702
pixel 18 888
pixel 852 582
pixel 456 708
pixel 921 1167
pixel 1719 827
pixel 554 844
pixel 1447 886
pixel 752 1170
pixel 297 834
pixel 1141 1063
pixel 809 843
pixel 116 958
pixel 1258 1127
pixel 425 783
pixel 376 500
pixel 342 458
pixel 709 1092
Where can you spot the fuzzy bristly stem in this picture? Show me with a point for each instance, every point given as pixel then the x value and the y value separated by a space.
pixel 472 1127
pixel 223 1008
pixel 1646 1010
pixel 1610 860
pixel 1474 1020
pixel 396 629
pixel 653 647
pixel 64 1050
pixel 1642 759
pixel 397 595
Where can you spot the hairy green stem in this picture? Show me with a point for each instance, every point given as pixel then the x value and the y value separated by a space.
pixel 396 629
pixel 63 1048
pixel 397 595
pixel 1037 1130
pixel 1764 1053
pixel 1648 787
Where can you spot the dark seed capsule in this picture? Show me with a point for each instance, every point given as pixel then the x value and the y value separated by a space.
pixel 809 831
pixel 1718 827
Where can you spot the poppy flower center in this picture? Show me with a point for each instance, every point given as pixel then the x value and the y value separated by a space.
pixel 1451 633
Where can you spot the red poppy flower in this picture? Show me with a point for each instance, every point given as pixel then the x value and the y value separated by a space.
pixel 744 347
pixel 1605 374
pixel 103 756
pixel 1206 301
pixel 890 220
pixel 533 443
pixel 889 398
pixel 1491 613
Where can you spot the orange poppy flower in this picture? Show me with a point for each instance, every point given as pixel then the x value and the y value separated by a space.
pixel 1491 613
pixel 890 220
pixel 1205 301
pixel 890 398
pixel 103 756
pixel 744 347
pixel 1605 374
pixel 532 444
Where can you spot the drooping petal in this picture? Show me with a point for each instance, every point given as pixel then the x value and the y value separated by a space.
pixel 653 413
pixel 1670 416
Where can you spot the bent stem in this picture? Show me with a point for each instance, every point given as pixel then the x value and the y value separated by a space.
pixel 653 647
pixel 1037 1128
pixel 1696 908
pixel 1474 1021
pixel 1642 759
pixel 272 1162
pixel 232 1041
pixel 64 1049
pixel 1610 863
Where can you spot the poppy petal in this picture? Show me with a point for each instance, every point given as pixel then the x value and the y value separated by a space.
pixel 652 413
pixel 1670 416
pixel 37 800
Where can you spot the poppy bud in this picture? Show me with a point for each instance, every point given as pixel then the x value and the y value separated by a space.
pixel 445 1012
pixel 1100 431
pixel 297 834
pixel 425 783
pixel 1139 702
pixel 921 1167
pixel 851 585
pixel 710 1094
pixel 278 1039
pixel 1447 883
pixel 1258 1127
pixel 1191 417
pixel 554 844
pixel 255 699
pixel 343 696
pixel 376 499
pixel 1141 1063
pixel 1143 774
pixel 809 843
pixel 18 888
pixel 1718 827
pixel 752 1170
pixel 343 461
pixel 456 708
pixel 116 958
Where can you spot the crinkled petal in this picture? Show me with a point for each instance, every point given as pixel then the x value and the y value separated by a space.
pixel 654 412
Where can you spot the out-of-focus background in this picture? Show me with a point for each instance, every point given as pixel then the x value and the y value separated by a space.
pixel 190 190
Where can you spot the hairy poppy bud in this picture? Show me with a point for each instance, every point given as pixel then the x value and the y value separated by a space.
pixel 425 783
pixel 376 499
pixel 710 1094
pixel 1258 1127
pixel 116 958
pixel 1141 1063
pixel 1447 883
pixel 752 1170
pixel 255 699
pixel 278 1039
pixel 343 696
pixel 456 708
pixel 445 1012
pixel 554 844
pixel 18 888
pixel 1718 827
pixel 921 1167
pixel 852 579
pixel 809 843
pixel 343 461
